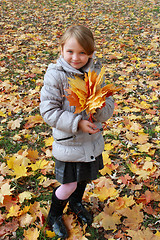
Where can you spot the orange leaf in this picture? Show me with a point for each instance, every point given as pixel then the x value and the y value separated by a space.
pixel 32 121
pixel 126 179
pixel 88 94
pixel 74 100
pixel 32 155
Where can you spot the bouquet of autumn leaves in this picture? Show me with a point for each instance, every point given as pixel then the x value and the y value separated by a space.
pixel 88 94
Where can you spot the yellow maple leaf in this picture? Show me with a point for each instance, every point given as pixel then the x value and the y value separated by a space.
pixel 25 220
pixel 103 181
pixel 128 201
pixel 144 171
pixel 25 195
pixel 135 127
pixel 77 84
pixel 39 165
pixel 145 105
pixel 108 146
pixel 106 159
pixel 106 170
pixel 18 159
pixel 157 234
pixel 13 211
pixel 45 182
pixel 104 193
pixel 10 162
pixel 24 210
pixel 49 141
pixel 109 220
pixel 134 216
pixel 2 114
pixel 19 171
pixel 37 70
pixel 35 211
pixel 145 147
pixel 31 234
pixel 108 166
pixel 50 234
pixel 151 65
pixel 146 234
pixel 142 138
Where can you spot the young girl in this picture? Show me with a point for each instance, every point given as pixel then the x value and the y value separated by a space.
pixel 78 143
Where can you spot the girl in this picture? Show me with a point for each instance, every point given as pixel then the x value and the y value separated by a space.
pixel 78 143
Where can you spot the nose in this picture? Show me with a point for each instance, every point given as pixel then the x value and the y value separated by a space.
pixel 75 56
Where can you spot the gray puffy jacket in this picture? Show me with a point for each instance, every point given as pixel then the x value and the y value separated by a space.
pixel 70 144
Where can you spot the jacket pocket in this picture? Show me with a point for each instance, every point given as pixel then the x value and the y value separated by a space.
pixel 67 138
pixel 68 141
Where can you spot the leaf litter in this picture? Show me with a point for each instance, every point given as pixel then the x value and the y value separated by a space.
pixel 125 199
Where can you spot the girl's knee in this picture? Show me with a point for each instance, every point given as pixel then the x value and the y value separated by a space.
pixel 71 186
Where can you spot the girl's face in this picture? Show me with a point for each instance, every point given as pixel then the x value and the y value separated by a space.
pixel 74 54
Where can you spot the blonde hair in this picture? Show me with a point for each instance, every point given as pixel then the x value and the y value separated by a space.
pixel 83 35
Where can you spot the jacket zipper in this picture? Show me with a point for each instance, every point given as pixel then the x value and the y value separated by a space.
pixel 66 138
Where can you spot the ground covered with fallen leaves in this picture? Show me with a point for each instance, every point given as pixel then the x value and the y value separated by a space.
pixel 125 199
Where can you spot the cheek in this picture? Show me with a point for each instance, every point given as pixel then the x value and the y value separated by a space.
pixel 67 57
pixel 85 59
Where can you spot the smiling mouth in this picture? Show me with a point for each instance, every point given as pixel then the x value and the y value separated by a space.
pixel 75 63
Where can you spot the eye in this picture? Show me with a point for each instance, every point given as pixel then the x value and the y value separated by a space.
pixel 70 51
pixel 82 53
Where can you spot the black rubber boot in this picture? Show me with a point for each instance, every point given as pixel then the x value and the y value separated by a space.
pixel 55 220
pixel 75 203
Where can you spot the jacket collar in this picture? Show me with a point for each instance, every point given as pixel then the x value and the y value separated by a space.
pixel 68 68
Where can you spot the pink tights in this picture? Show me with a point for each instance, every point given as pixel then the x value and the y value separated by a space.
pixel 65 190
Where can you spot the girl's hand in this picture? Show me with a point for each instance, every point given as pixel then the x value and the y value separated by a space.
pixel 88 127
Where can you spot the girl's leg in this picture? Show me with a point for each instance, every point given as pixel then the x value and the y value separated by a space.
pixel 65 190
pixel 75 203
pixel 59 200
pixel 79 191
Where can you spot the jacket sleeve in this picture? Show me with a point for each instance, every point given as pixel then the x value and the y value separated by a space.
pixel 51 106
pixel 106 112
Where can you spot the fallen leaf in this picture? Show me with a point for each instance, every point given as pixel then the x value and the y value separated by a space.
pixel 25 195
pixel 134 217
pixel 13 124
pixel 9 227
pixel 32 121
pixel 31 234
pixel 145 234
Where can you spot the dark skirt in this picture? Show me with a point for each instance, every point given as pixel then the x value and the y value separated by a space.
pixel 67 172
